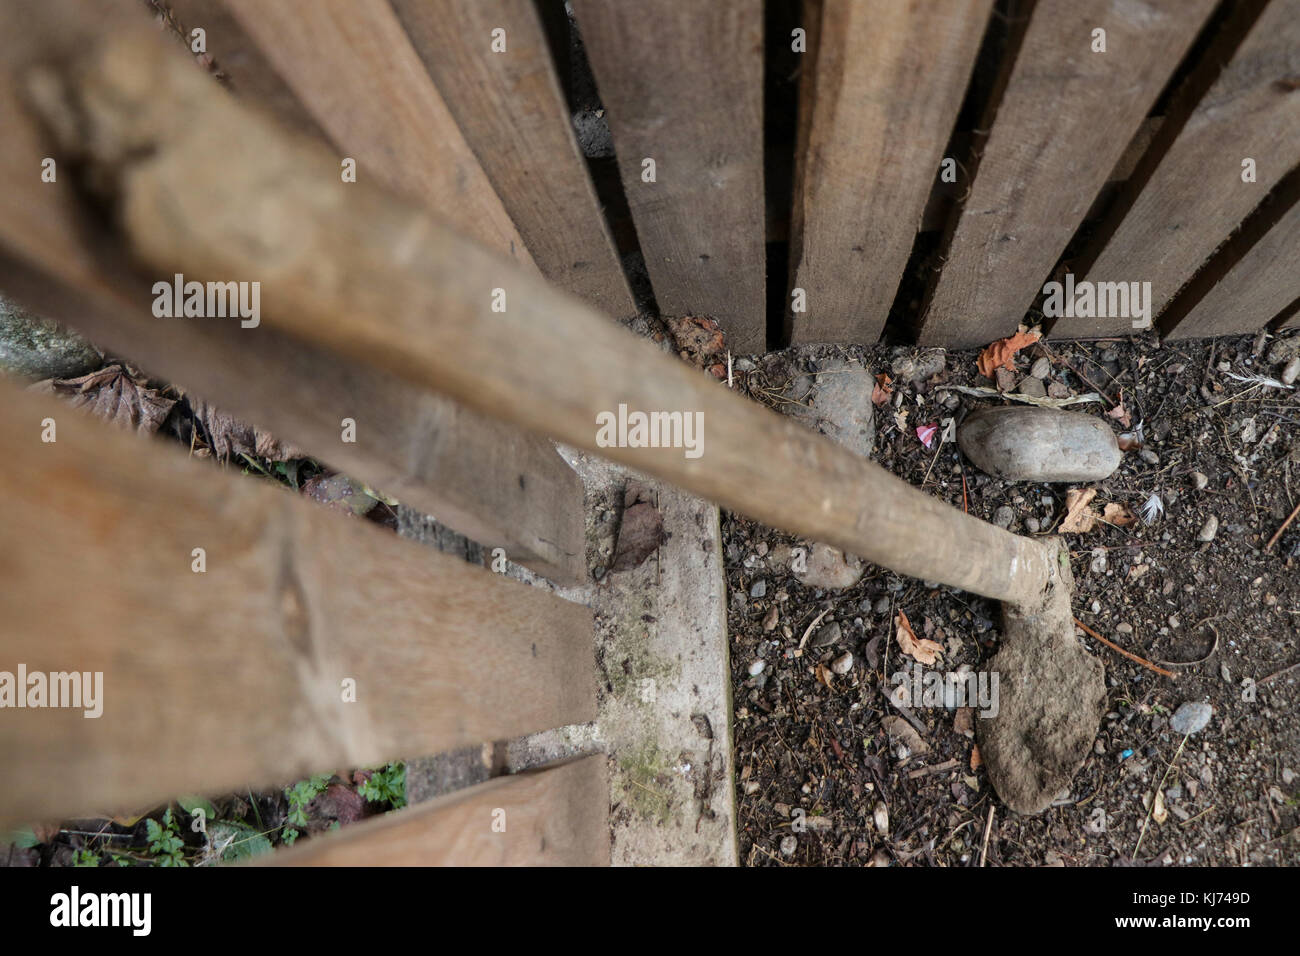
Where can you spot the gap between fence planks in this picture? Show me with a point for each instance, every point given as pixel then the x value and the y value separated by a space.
pixel 240 63
pixel 1196 197
pixel 233 677
pixel 880 91
pixel 1256 289
pixel 512 112
pixel 496 484
pixel 1063 122
pixel 556 816
pixel 692 101
pixel 352 65
pixel 386 285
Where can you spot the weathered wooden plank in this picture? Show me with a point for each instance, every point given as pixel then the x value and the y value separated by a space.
pixel 497 484
pixel 1063 122
pixel 552 817
pixel 235 674
pixel 882 86
pixel 387 286
pixel 351 63
pixel 1254 291
pixel 691 101
pixel 512 112
pixel 1196 197
pixel 241 64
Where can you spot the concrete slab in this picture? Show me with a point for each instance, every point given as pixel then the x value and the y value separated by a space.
pixel 664 700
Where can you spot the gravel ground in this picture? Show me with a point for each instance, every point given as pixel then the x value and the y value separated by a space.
pixel 820 779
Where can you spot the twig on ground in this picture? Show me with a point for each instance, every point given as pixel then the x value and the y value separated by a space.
pixel 1133 657
pixel 1285 524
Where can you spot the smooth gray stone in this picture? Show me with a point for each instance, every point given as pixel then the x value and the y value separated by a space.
pixel 1027 443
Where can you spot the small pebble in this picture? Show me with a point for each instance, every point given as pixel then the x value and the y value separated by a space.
pixel 756 668
pixel 1124 628
pixel 1003 516
pixel 788 845
pixel 827 635
pixel 1288 776
pixel 1209 529
pixel 1041 368
pixel 1150 457
pixel 842 664
pixel 1199 480
pixel 1292 371
pixel 770 621
pixel 758 589
pixel 1190 717
pixel 1032 525
pixel 1109 355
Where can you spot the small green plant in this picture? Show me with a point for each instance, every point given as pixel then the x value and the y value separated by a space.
pixel 165 841
pixel 386 785
pixel 300 795
pixel 84 857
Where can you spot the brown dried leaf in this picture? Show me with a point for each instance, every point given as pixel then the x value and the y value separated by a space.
pixel 921 649
pixel 1120 415
pixel 1120 515
pixel 641 531
pixel 882 390
pixel 901 732
pixel 1002 353
pixel 823 675
pixel 975 758
pixel 1079 517
pixel 699 340
pixel 115 394
pixel 230 437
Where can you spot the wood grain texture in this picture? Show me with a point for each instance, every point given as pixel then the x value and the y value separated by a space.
pixel 682 84
pixel 232 677
pixel 552 817
pixel 241 64
pixel 496 484
pixel 387 286
pixel 1196 197
pixel 880 91
pixel 1063 122
pixel 1255 291
pixel 512 112
pixel 351 63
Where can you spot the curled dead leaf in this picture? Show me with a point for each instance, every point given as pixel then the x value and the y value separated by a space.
pixel 882 390
pixel 920 649
pixel 1002 353
pixel 116 394
pixel 1120 515
pixel 1079 516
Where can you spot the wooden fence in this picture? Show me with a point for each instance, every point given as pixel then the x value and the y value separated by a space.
pixel 385 306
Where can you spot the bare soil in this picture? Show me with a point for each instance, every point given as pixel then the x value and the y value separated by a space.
pixel 1220 615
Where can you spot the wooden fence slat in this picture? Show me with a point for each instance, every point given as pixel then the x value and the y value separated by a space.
pixel 1196 196
pixel 512 112
pixel 352 65
pixel 552 817
pixel 883 92
pixel 1255 291
pixel 243 67
pixel 692 101
pixel 418 446
pixel 234 676
pixel 387 286
pixel 1063 122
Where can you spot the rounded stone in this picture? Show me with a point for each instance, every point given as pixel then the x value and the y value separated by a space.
pixel 1191 717
pixel 1039 444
